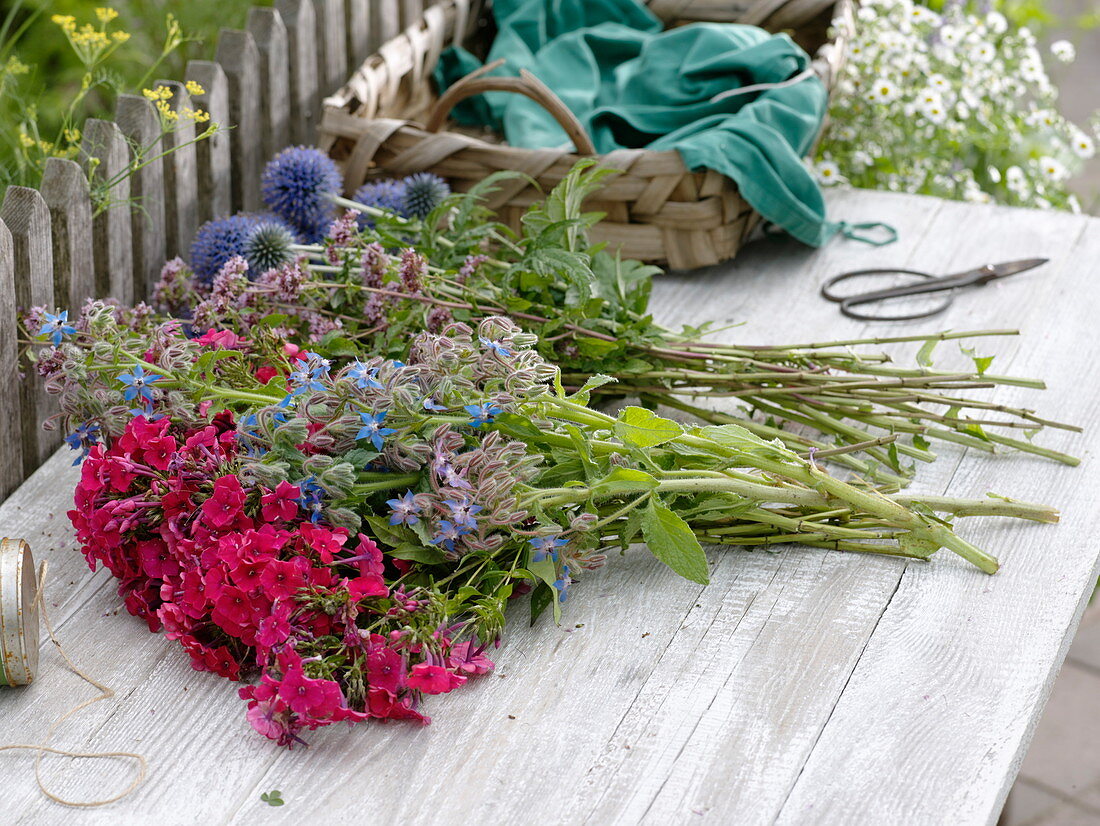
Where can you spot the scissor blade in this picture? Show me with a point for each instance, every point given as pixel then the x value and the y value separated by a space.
pixel 1012 267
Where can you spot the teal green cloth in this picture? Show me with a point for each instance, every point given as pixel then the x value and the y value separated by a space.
pixel 633 85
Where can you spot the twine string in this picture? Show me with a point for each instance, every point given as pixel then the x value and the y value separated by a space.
pixel 106 693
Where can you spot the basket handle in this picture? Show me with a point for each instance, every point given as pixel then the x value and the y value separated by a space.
pixel 526 84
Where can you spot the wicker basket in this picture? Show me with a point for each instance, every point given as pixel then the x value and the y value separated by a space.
pixel 386 123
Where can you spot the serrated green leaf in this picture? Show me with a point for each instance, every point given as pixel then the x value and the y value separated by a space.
pixel 598 380
pixel 671 540
pixel 541 597
pixel 638 427
pixel 743 440
pixel 623 480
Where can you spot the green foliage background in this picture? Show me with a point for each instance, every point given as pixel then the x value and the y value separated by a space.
pixel 55 72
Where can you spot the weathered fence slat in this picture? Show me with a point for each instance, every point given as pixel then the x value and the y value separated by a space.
pixel 65 191
pixel 269 32
pixel 238 55
pixel 386 21
pixel 11 442
pixel 140 124
pixel 106 157
pixel 357 27
pixel 212 155
pixel 180 174
pixel 332 61
pixel 305 97
pixel 28 220
pixel 411 10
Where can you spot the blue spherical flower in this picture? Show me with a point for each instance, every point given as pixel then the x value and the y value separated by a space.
pixel 217 241
pixel 297 185
pixel 423 193
pixel 386 194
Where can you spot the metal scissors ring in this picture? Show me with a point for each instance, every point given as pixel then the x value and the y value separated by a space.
pixel 927 284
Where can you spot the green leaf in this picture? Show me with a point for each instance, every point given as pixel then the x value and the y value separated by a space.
pixel 670 540
pixel 913 544
pixel 273 798
pixel 924 354
pixel 920 442
pixel 541 598
pixel 639 427
pixel 424 554
pixel 625 480
pixel 738 438
pixel 547 571
pixel 598 380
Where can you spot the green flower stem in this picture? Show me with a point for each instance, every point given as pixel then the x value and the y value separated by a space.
pixel 395 481
pixel 944 336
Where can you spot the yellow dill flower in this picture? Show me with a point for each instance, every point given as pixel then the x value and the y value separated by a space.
pixel 120 37
pixel 72 135
pixel 106 14
pixel 194 88
pixel 66 21
pixel 196 115
pixel 157 94
pixel 25 139
pixel 15 66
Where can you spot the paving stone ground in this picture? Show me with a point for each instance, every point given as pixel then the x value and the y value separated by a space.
pixel 1059 783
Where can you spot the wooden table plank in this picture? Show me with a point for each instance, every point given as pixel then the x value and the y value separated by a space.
pixel 755 699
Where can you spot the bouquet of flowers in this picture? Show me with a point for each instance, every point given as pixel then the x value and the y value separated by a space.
pixel 588 307
pixel 957 105
pixel 334 478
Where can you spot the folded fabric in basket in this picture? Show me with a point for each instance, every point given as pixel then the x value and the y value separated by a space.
pixel 633 85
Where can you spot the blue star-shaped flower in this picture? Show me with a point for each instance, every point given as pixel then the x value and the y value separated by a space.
pixel 405 509
pixel 547 547
pixel 57 327
pixel 137 384
pixel 311 499
pixel 431 404
pixel 562 584
pixel 372 429
pixel 482 413
pixel 364 376
pixel 448 534
pixel 495 346
pixel 82 439
pixel 463 512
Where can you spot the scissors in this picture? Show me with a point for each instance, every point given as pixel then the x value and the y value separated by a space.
pixel 928 284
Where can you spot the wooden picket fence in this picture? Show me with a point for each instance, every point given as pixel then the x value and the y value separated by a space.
pixel 266 85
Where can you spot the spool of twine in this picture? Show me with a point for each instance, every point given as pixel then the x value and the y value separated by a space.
pixel 21 602
pixel 18 614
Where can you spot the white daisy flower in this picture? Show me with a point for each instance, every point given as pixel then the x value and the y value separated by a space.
pixel 1052 168
pixel 983 51
pixel 1063 50
pixel 882 90
pixel 827 172
pixel 1082 145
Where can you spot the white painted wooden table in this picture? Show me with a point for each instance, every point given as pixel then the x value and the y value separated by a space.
pixel 802 686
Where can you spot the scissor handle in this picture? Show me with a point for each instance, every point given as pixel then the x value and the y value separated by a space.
pixel 847 302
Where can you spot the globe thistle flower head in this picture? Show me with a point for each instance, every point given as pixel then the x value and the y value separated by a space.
pixel 216 242
pixel 269 246
pixel 297 184
pixel 423 193
pixel 387 194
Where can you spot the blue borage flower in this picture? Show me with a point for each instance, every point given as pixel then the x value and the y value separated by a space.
pixel 495 346
pixel 248 434
pixel 430 404
pixel 372 429
pixel 449 533
pixel 309 374
pixel 279 417
pixel 297 186
pixel 364 376
pixel 562 584
pixel 57 327
pixel 482 413
pixel 405 510
pixel 311 499
pixel 463 512
pixel 546 547
pixel 84 438
pixel 137 384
